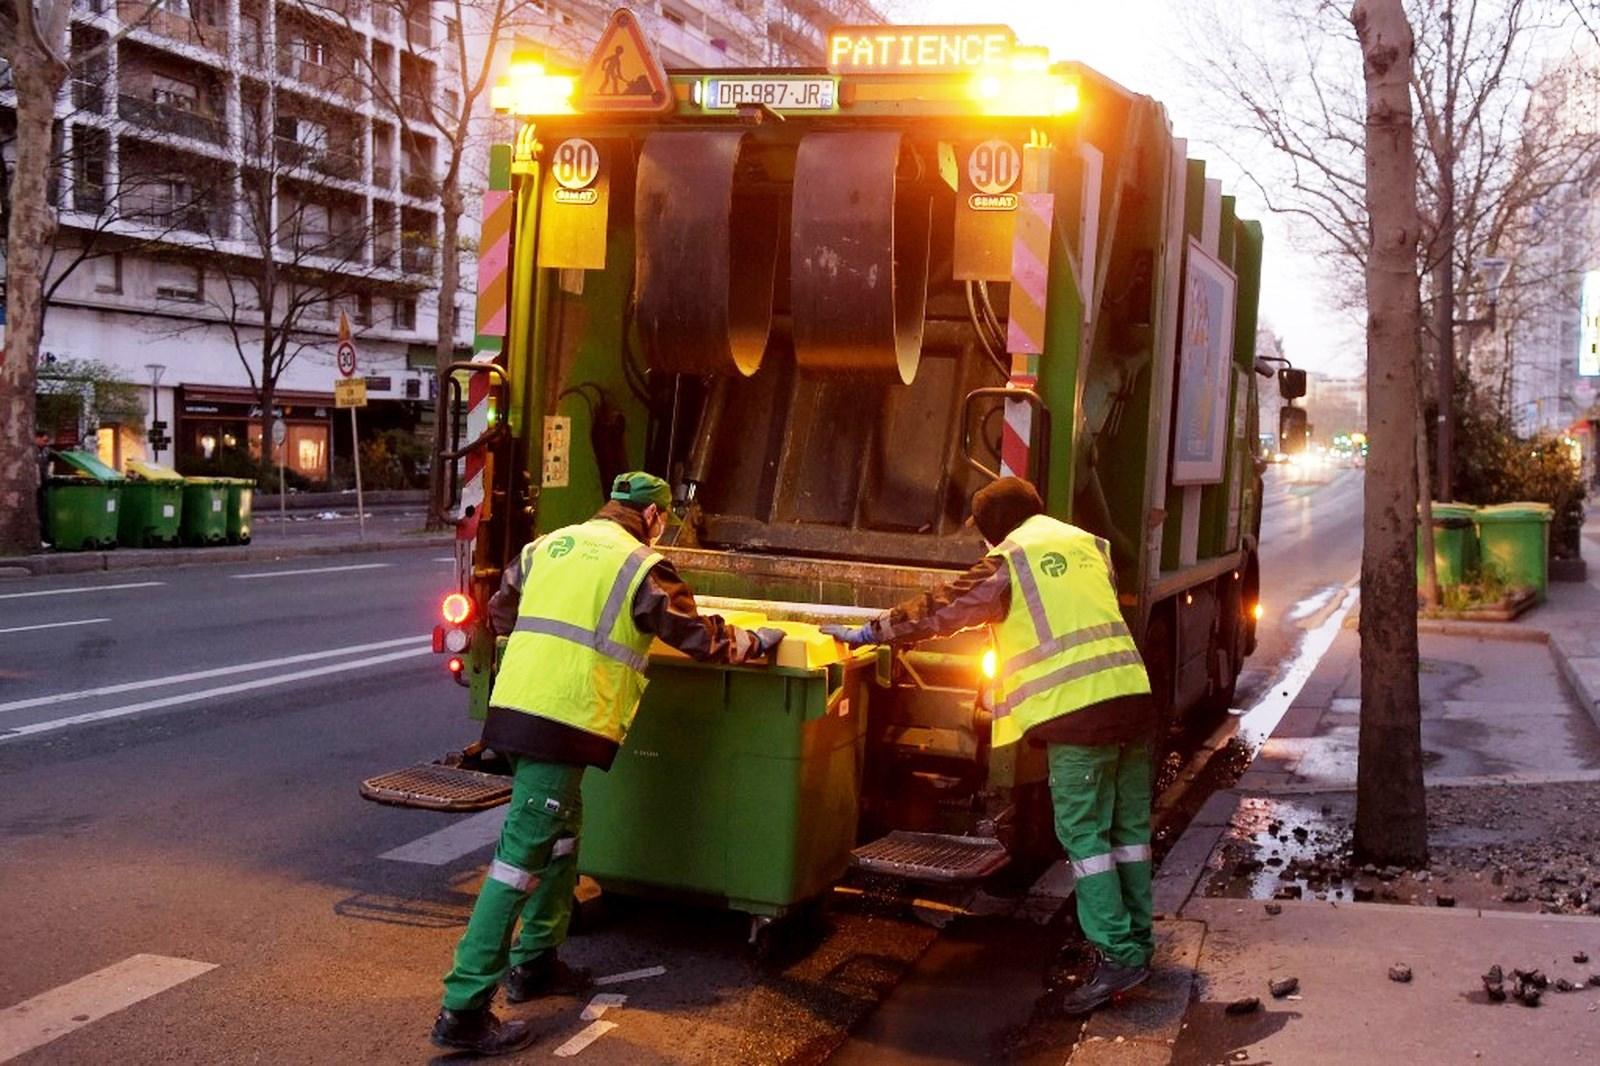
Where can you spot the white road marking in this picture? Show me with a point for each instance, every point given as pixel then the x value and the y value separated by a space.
pixel 201 675
pixel 453 841
pixel 584 1039
pixel 631 975
pixel 81 588
pixel 310 570
pixel 445 559
pixel 1054 883
pixel 20 731
pixel 601 1003
pixel 55 625
pixel 1257 724
pixel 49 1015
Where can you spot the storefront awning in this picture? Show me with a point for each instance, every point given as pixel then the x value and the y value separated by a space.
pixel 229 394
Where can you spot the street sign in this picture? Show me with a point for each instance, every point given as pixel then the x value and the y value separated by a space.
pixel 347 358
pixel 623 74
pixel 350 392
pixel 280 432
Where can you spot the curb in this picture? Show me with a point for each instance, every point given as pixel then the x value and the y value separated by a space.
pixel 142 559
pixel 1582 675
pixel 1451 627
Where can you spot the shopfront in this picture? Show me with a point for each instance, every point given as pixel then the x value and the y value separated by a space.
pixel 217 423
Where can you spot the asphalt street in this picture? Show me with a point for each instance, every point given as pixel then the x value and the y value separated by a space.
pixel 189 874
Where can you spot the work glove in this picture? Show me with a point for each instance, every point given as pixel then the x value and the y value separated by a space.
pixel 851 636
pixel 767 640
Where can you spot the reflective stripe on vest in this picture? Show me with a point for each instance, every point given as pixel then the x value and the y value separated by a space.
pixel 1064 644
pixel 575 655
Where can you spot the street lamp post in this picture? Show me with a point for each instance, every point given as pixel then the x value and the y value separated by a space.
pixel 156 426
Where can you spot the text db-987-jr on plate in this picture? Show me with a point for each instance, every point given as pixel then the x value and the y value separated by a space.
pixel 780 94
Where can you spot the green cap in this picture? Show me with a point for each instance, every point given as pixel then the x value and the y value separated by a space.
pixel 641 489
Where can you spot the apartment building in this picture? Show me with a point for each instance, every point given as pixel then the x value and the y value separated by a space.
pixel 222 137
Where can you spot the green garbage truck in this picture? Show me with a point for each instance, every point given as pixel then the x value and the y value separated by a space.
pixel 828 306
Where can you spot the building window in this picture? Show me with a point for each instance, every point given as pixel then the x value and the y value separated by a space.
pixel 673 17
pixel 108 273
pixel 174 93
pixel 308 51
pixel 452 29
pixel 175 7
pixel 178 281
pixel 405 314
pixel 363 314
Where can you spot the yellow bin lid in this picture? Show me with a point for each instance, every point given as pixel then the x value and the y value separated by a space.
pixel 152 472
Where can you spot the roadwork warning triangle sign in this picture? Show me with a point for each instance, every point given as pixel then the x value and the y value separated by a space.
pixel 623 73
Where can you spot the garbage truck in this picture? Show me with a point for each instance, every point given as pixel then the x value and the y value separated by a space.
pixel 828 305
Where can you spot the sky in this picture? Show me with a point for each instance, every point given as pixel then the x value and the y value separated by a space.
pixel 1139 43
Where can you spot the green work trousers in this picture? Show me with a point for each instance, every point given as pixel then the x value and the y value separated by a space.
pixel 1101 795
pixel 534 873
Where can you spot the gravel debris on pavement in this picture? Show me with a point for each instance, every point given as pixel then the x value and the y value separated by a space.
pixel 1400 972
pixel 1283 986
pixel 1247 1005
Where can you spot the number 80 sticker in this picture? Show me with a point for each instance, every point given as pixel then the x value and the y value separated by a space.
pixel 575 165
pixel 993 168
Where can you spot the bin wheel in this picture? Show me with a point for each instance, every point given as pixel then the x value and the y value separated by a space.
pixel 764 935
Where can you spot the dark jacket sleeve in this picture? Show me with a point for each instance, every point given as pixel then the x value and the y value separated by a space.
pixel 507 599
pixel 664 606
pixel 979 597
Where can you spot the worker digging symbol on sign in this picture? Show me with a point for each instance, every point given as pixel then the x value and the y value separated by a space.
pixel 1070 680
pixel 612 65
pixel 580 606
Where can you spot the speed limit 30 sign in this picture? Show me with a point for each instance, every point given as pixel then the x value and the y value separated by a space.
pixel 346 353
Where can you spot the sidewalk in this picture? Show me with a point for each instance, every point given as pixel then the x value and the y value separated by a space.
pixel 328 532
pixel 1261 885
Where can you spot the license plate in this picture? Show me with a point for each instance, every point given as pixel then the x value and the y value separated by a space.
pixel 780 94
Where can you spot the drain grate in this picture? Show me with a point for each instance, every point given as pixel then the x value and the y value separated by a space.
pixel 931 856
pixel 438 788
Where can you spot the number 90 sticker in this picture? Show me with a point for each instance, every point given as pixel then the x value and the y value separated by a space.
pixel 575 165
pixel 993 168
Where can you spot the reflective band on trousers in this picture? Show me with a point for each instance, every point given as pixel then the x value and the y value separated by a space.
pixel 507 874
pixel 1066 642
pixel 1067 673
pixel 599 638
pixel 1095 864
pixel 1131 853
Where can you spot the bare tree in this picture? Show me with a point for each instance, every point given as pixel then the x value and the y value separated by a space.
pixel 1391 805
pixel 33 44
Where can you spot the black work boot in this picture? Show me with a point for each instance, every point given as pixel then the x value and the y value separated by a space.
pixel 480 1031
pixel 1108 980
pixel 545 975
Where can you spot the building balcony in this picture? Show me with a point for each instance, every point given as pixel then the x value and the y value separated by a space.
pixel 174 27
pixel 416 258
pixel 419 185
pixel 88 199
pixel 342 246
pixel 161 213
pixel 337 81
pixel 330 164
pixel 383 255
pixel 414 106
pixel 383 175
pixel 89 96
pixel 168 118
pixel 419 31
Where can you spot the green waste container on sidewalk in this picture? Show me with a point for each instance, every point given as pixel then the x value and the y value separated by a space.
pixel 1455 543
pixel 80 508
pixel 205 510
pixel 151 506
pixel 1515 538
pixel 737 786
pixel 241 499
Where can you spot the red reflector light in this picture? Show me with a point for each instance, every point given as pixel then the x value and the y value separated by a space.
pixel 438 638
pixel 455 665
pixel 456 608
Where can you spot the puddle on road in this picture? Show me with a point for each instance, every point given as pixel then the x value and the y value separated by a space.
pixel 1258 722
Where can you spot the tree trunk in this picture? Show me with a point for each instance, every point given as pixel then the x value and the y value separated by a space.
pixel 445 342
pixel 31 234
pixel 1391 813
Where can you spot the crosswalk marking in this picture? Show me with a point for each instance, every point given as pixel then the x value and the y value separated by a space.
pixel 53 1014
pixel 453 841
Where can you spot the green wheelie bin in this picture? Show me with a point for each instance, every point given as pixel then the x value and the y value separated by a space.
pixel 737 787
pixel 80 508
pixel 151 507
pixel 205 510
pixel 1455 543
pixel 1515 539
pixel 241 500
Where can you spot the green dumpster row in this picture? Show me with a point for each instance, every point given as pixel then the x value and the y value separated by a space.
pixel 93 507
pixel 1511 538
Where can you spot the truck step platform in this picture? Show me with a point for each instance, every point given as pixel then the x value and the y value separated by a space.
pixel 432 787
pixel 937 857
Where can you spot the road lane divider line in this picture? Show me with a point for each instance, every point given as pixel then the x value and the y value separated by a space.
pixel 454 841
pixel 631 975
pixel 33 728
pixel 310 570
pixel 600 1003
pixel 80 588
pixel 203 675
pixel 69 1007
pixel 594 1032
pixel 55 625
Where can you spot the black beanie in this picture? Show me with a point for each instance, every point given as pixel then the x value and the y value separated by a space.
pixel 1001 506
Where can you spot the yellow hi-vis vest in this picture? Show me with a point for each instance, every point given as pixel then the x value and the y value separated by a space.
pixel 576 656
pixel 1063 644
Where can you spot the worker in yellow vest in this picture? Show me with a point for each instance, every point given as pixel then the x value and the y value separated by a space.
pixel 1070 679
pixel 580 606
